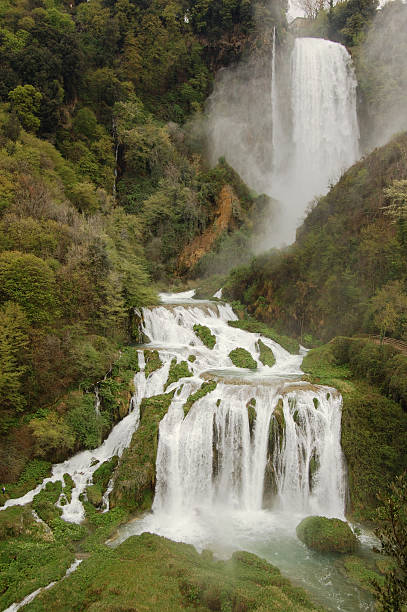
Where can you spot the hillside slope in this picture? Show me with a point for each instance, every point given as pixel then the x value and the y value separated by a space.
pixel 347 270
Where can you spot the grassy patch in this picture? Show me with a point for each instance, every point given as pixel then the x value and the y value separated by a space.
pixel 135 475
pixel 242 359
pixel 209 286
pixel 33 474
pixel 360 572
pixel 188 581
pixel 205 335
pixel 256 327
pixel 204 389
pixel 327 535
pixel 177 371
pixel 266 355
pixel 153 362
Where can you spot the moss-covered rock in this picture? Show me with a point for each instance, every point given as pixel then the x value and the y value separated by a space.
pixel 256 327
pixel 251 413
pixel 242 359
pixel 327 535
pixel 203 390
pixel 102 475
pixel 134 481
pixel 177 371
pixel 94 493
pixel 266 355
pixel 153 362
pixel 205 335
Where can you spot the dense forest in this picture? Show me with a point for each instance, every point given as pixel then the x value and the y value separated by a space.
pixel 101 190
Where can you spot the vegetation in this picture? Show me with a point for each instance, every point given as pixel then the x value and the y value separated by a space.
pixel 327 535
pixel 153 362
pixel 392 594
pixel 374 427
pixel 257 327
pixel 135 475
pixel 242 359
pixel 266 355
pixel 205 388
pixel 189 580
pixel 205 335
pixel 348 262
pixel 177 371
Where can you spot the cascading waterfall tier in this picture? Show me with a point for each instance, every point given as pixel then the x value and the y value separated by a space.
pixel 258 440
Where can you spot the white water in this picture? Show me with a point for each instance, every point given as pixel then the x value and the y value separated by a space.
pixel 325 132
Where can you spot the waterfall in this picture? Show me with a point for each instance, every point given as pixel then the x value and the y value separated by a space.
pixel 325 127
pixel 314 136
pixel 324 134
pixel 259 442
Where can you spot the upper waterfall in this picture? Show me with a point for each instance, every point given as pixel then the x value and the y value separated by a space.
pixel 325 132
pixel 312 113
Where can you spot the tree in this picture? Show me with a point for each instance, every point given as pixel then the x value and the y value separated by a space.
pixel 26 102
pixel 30 282
pixel 389 307
pixel 392 533
pixel 311 8
pixel 13 343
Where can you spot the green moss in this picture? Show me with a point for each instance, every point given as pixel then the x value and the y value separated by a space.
pixel 360 572
pixel 44 502
pixel 256 327
pixel 153 362
pixel 266 355
pixel 102 475
pixel 177 371
pixel 327 535
pixel 16 521
pixel 204 389
pixel 135 475
pixel 242 359
pixel 192 358
pixel 94 493
pixel 205 335
pixel 68 486
pixel 188 581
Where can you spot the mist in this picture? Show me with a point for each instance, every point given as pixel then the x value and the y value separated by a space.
pixel 382 75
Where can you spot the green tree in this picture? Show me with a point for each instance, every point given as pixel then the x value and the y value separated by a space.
pixel 392 596
pixel 30 282
pixel 389 307
pixel 13 343
pixel 26 103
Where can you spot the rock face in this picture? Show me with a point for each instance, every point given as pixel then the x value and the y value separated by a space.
pixel 327 535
